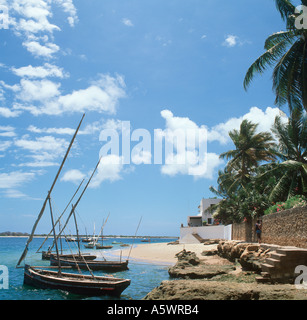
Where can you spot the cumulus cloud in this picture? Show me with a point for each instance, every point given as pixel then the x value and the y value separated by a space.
pixel 189 155
pixel 47 70
pixel 109 169
pixel 265 120
pixel 74 176
pixel 39 50
pixel 8 113
pixel 231 41
pixel 101 96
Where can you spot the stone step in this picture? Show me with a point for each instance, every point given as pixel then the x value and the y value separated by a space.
pixel 263 280
pixel 278 256
pixel 273 262
pixel 292 251
pixel 265 275
pixel 267 268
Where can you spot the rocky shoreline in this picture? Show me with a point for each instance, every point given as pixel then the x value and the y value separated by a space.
pixel 227 272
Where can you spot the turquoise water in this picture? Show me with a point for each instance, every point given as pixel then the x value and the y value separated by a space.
pixel 144 277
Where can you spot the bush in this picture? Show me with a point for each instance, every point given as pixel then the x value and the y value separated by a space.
pixel 294 202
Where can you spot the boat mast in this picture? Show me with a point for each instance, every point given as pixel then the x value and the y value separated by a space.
pixel 73 210
pixel 49 193
pixel 58 220
pixel 54 235
pixel 75 205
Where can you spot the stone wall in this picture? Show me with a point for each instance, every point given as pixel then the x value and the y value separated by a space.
pixel 244 231
pixel 286 228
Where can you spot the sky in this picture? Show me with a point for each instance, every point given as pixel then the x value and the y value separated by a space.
pixel 156 66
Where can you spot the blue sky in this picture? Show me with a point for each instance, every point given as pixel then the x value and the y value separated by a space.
pixel 157 64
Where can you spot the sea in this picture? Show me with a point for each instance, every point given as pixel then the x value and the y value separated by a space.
pixel 144 276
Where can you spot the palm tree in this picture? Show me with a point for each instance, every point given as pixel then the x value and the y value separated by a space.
pixel 251 149
pixel 292 151
pixel 287 52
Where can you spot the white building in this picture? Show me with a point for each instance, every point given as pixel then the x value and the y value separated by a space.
pixel 205 205
pixel 204 217
pixel 202 226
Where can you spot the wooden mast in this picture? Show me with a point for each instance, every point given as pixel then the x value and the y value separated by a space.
pixel 54 235
pixel 48 196
pixel 58 220
pixel 73 210
pixel 75 205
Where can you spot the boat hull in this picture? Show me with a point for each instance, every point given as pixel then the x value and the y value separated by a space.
pixel 74 283
pixel 98 246
pixel 46 256
pixel 113 266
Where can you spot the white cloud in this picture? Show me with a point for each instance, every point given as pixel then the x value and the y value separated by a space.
pixel 265 120
pixel 68 131
pixel 15 179
pixel 47 70
pixel 4 145
pixel 7 131
pixel 38 90
pixel 109 169
pixel 231 41
pixel 8 113
pixel 39 50
pixel 43 150
pixel 69 8
pixel 189 156
pixel 74 176
pixel 101 96
pixel 127 22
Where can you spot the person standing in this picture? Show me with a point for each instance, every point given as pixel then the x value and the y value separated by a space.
pixel 258 230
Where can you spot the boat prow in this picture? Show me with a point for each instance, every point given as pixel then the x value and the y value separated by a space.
pixel 75 283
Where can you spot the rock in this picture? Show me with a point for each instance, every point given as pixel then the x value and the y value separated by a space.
pixel 189 266
pixel 215 290
pixel 211 252
pixel 187 257
pixel 252 257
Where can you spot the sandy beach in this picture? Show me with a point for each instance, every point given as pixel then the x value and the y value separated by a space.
pixel 161 253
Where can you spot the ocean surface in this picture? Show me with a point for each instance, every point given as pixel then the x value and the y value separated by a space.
pixel 144 276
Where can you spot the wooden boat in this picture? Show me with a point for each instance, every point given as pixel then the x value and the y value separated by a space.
pixel 87 256
pixel 106 265
pixel 125 245
pixel 90 245
pixel 102 246
pixel 71 239
pixel 75 283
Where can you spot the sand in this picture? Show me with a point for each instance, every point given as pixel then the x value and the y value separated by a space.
pixel 161 253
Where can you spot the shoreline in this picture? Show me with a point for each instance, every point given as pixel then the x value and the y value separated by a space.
pixel 159 253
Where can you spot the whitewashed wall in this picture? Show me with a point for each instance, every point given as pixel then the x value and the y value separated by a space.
pixel 207 232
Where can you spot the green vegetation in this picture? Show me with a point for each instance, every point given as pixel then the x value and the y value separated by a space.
pixel 286 52
pixel 294 202
pixel 267 171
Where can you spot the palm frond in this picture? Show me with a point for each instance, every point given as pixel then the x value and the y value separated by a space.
pixel 285 8
pixel 277 37
pixel 265 60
